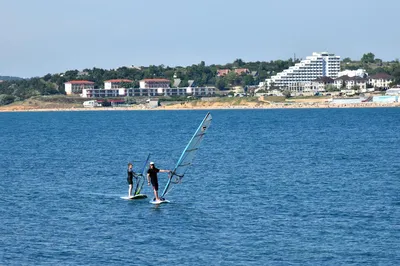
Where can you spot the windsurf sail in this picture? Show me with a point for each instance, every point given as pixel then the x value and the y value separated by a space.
pixel 141 176
pixel 188 155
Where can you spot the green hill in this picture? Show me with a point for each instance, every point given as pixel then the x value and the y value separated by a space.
pixel 6 78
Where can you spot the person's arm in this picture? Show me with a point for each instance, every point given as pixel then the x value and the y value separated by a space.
pixel 165 171
pixel 148 179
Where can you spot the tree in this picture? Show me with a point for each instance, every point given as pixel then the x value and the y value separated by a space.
pixel 346 60
pixel 353 67
pixel 184 83
pixel 396 73
pixel 356 88
pixel 47 77
pixel 331 87
pixel 221 83
pixel 6 99
pixel 272 86
pixel 248 80
pixel 239 63
pixel 126 85
pixel 286 93
pixel 368 58
pixel 231 78
pixel 343 85
pixel 130 100
pixel 378 61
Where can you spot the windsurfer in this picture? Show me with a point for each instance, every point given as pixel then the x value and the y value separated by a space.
pixel 153 179
pixel 131 174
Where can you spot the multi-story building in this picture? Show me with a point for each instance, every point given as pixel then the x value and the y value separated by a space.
pixel 240 71
pixel 380 81
pixel 171 91
pixel 149 88
pixel 121 92
pixel 222 72
pixel 141 92
pixel 318 85
pixel 154 83
pixel 77 86
pixel 349 83
pixel 296 77
pixel 103 93
pixel 201 91
pixel 112 88
pixel 115 83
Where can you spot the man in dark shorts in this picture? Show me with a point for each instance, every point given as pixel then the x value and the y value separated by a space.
pixel 131 174
pixel 153 179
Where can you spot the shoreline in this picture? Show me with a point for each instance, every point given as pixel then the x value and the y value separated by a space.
pixel 206 107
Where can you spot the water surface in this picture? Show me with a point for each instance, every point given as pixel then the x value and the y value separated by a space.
pixel 268 187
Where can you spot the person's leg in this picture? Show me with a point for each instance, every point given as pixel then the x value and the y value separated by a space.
pixel 130 190
pixel 155 188
pixel 155 193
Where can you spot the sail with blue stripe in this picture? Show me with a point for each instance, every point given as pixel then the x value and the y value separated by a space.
pixel 141 176
pixel 188 155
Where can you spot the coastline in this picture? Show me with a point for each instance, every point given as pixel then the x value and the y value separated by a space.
pixel 203 106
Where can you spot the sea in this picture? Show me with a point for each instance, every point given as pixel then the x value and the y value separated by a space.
pixel 267 187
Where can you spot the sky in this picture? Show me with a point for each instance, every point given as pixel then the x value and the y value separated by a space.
pixel 47 36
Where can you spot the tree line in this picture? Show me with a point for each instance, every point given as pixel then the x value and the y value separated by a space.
pixel 373 65
pixel 19 89
pixel 201 74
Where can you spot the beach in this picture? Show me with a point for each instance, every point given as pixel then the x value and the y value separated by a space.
pixel 195 106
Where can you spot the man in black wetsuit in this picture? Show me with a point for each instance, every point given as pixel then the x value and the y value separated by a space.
pixel 131 174
pixel 153 179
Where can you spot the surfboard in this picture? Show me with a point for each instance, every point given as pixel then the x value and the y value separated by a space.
pixel 159 202
pixel 138 196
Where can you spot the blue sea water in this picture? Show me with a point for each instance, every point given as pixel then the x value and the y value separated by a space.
pixel 268 187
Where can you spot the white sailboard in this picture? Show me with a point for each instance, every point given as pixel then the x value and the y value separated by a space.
pixel 159 202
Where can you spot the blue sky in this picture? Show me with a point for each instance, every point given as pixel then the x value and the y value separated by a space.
pixel 48 36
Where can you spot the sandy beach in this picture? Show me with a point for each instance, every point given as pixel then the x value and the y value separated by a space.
pixel 200 106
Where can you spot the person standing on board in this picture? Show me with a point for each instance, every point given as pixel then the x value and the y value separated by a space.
pixel 153 179
pixel 131 174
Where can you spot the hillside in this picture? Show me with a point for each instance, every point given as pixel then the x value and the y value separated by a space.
pixel 7 78
pixel 45 102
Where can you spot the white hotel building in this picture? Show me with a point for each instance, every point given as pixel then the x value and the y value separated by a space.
pixel 148 87
pixel 77 86
pixel 298 77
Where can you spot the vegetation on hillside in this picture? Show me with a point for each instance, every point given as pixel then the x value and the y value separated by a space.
pixel 202 75
pixel 373 66
pixel 2 78
pixel 12 89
